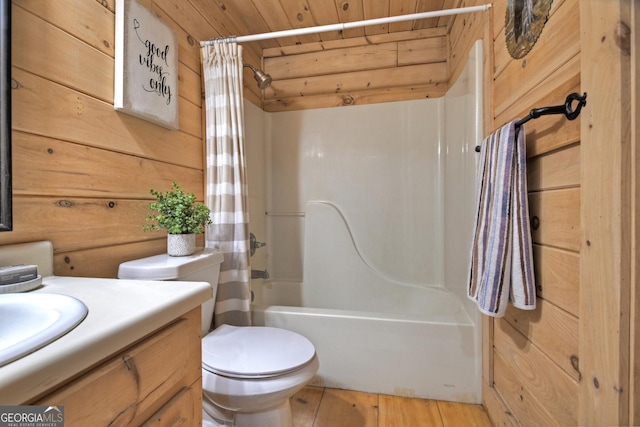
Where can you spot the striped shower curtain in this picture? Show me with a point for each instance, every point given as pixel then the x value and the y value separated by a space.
pixel 226 184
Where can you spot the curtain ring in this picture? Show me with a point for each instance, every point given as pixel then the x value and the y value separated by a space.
pixel 228 39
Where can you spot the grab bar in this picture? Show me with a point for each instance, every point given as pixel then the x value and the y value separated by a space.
pixel 268 213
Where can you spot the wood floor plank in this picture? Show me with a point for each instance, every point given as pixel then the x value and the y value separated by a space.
pixel 397 411
pixel 304 406
pixel 324 407
pixel 345 408
pixel 460 414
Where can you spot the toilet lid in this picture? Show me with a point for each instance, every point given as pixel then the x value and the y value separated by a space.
pixel 254 351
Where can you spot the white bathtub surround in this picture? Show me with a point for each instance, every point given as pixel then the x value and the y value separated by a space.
pixel 369 220
pixel 255 144
pixel 380 164
pixel 226 183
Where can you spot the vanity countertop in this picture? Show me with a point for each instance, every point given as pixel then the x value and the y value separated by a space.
pixel 120 313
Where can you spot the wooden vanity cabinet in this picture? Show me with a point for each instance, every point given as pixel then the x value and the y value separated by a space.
pixel 154 382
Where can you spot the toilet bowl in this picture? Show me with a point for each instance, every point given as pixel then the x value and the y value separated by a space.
pixel 248 373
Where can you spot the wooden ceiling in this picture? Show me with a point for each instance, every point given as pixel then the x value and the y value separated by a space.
pixel 246 17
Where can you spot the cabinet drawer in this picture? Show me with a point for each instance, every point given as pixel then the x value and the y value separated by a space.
pixel 130 387
pixel 185 409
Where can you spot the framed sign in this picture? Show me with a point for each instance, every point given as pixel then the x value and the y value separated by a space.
pixel 6 199
pixel 146 70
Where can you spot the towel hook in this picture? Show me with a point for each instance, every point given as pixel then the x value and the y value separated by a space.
pixel 566 109
pixel 582 101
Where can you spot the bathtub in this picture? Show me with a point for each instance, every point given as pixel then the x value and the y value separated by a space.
pixel 371 332
pixel 428 353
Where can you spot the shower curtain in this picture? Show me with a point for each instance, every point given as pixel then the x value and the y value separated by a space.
pixel 226 184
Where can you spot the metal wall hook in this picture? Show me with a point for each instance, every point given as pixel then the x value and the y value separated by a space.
pixel 582 101
pixel 565 109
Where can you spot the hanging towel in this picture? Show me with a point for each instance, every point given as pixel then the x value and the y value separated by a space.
pixel 501 256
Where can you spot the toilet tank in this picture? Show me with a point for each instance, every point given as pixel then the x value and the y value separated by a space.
pixel 202 266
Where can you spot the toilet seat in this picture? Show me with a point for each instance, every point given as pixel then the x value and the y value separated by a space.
pixel 254 352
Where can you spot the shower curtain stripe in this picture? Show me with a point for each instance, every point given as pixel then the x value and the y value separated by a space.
pixel 224 217
pixel 226 189
pixel 222 160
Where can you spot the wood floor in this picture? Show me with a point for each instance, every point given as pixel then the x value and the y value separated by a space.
pixel 325 407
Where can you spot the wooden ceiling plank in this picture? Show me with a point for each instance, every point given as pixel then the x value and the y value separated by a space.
pixel 276 19
pixel 299 15
pixel 219 24
pixel 427 6
pixel 246 18
pixel 325 13
pixel 350 11
pixel 374 9
pixel 402 7
pixel 352 42
pixel 445 21
pixel 263 16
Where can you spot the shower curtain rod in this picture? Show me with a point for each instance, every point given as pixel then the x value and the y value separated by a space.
pixel 348 25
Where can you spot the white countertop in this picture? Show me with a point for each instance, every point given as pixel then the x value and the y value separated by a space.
pixel 120 313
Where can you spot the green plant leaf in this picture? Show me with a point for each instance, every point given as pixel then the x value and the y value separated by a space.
pixel 177 212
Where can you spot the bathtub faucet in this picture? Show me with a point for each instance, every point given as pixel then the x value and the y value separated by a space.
pixel 259 274
pixel 254 244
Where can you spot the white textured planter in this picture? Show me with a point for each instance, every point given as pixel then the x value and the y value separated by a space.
pixel 181 244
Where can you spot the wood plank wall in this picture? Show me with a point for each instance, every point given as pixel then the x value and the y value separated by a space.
pixel 361 70
pixel 81 171
pixel 531 359
pixel 634 308
pixel 609 172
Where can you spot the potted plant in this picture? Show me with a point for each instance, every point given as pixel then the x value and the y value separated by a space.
pixel 178 213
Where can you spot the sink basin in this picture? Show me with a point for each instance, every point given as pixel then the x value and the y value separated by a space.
pixel 29 321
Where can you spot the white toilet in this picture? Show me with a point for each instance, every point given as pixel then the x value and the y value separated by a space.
pixel 248 373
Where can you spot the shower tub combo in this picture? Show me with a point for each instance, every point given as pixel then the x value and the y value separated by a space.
pixel 372 335
pixel 374 330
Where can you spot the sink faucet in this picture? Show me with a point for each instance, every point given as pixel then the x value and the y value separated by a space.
pixel 259 274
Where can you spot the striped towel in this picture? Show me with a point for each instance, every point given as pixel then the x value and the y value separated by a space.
pixel 501 258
